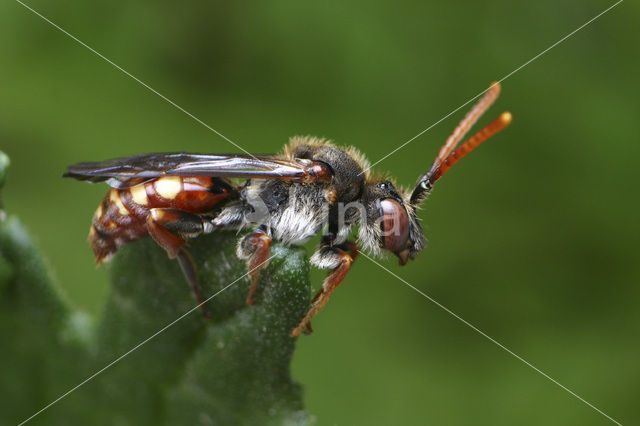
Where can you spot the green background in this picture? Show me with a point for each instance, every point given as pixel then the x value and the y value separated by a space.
pixel 533 239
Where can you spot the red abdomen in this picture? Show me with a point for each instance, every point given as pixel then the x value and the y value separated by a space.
pixel 122 215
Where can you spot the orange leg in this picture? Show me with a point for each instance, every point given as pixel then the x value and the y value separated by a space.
pixel 345 260
pixel 257 244
pixel 165 226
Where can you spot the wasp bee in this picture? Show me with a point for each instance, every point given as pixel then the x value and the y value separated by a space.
pixel 313 186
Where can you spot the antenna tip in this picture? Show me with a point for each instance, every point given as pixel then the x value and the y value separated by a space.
pixel 506 118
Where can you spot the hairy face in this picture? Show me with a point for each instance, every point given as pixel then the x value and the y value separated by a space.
pixel 391 223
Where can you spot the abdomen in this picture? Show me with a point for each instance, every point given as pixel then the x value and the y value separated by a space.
pixel 122 215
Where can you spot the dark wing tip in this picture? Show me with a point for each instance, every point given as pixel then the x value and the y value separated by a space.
pixel 90 179
pixel 83 171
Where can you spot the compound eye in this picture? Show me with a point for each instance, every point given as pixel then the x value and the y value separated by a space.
pixel 395 225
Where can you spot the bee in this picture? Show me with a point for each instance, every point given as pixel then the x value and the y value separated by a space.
pixel 312 187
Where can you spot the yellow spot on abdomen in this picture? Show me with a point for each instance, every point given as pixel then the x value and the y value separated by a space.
pixel 98 213
pixel 114 197
pixel 139 195
pixel 168 187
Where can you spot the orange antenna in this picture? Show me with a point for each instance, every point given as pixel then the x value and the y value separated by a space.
pixel 449 155
pixel 467 123
pixel 472 143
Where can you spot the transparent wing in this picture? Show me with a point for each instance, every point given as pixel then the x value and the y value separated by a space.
pixel 122 172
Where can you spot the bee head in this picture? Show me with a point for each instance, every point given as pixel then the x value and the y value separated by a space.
pixel 391 222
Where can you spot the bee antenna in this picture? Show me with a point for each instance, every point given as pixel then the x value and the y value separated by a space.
pixel 449 155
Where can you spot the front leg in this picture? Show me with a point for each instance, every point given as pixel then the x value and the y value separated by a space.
pixel 339 258
pixel 255 248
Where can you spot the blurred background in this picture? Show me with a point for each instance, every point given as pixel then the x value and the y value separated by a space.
pixel 533 238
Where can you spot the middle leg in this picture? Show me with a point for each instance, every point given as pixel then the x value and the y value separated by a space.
pixel 255 247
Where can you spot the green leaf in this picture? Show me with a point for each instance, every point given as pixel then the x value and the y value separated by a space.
pixel 233 369
pixel 42 355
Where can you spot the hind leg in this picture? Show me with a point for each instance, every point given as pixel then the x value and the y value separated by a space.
pixel 171 228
